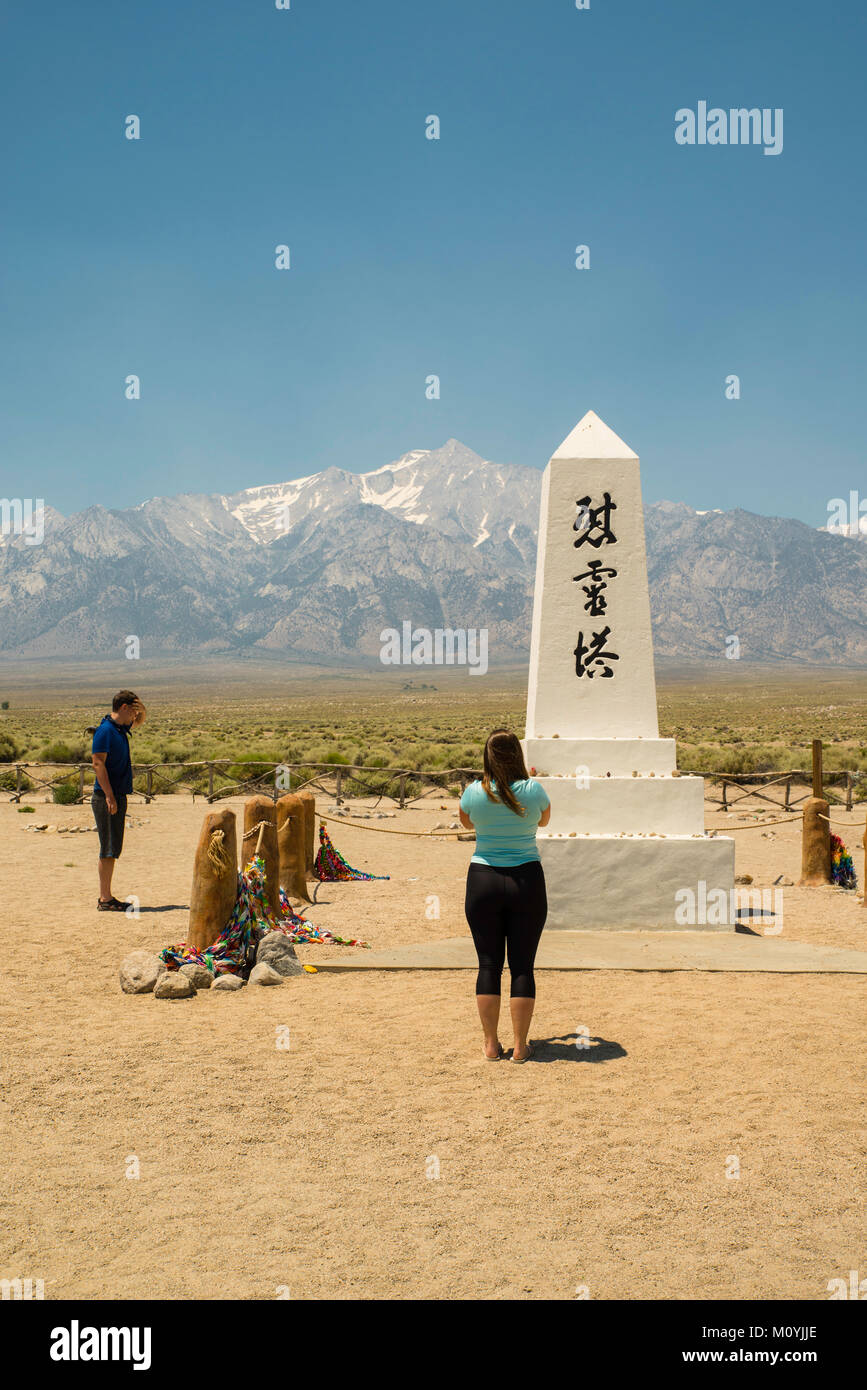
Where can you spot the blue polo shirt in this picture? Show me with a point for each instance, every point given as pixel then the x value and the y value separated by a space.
pixel 113 740
pixel 503 838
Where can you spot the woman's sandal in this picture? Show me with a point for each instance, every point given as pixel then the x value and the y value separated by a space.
pixel 499 1056
pixel 521 1060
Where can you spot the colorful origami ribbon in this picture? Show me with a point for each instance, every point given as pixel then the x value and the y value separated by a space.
pixel 842 868
pixel 251 918
pixel 331 867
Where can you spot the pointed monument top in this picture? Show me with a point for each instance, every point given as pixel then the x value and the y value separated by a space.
pixel 592 439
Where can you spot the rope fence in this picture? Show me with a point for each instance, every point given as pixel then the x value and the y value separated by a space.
pixel 749 784
pixel 219 778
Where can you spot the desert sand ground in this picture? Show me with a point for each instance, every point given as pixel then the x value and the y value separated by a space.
pixel 312 1171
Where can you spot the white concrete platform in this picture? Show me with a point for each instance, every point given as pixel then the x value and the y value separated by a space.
pixel 622 950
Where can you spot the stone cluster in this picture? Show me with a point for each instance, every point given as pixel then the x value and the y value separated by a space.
pixel 142 971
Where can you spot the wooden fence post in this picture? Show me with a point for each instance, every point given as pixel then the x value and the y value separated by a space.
pixel 292 846
pixel 817 768
pixel 215 879
pixel 308 801
pixel 816 830
pixel 210 781
pixel 402 781
pixel 260 815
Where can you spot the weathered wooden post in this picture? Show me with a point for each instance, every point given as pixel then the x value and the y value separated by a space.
pixel 260 814
pixel 215 879
pixel 816 832
pixel 309 801
pixel 292 847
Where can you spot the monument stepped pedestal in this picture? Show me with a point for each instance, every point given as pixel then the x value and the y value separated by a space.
pixel 625 844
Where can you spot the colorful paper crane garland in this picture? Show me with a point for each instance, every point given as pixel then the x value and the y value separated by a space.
pixel 331 867
pixel 842 868
pixel 250 919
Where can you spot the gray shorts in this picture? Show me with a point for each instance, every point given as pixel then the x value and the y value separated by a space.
pixel 110 827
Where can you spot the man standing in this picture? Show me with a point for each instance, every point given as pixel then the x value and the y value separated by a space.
pixel 112 765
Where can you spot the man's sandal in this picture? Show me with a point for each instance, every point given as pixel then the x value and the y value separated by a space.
pixel 521 1060
pixel 111 905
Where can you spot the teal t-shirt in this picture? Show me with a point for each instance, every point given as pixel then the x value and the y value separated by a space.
pixel 503 838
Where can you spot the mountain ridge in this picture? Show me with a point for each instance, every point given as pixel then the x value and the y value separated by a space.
pixel 316 567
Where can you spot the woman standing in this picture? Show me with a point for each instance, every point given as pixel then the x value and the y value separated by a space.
pixel 506 904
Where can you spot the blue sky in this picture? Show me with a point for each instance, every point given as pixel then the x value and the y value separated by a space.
pixel 412 257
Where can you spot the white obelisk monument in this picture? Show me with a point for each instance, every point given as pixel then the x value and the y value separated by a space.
pixel 625 846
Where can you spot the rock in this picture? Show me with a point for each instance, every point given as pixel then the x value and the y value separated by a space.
pixel 743 878
pixel 228 982
pixel 173 985
pixel 199 974
pixel 275 950
pixel 263 974
pixel 139 972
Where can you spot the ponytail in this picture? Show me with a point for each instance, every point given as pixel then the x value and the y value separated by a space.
pixel 503 763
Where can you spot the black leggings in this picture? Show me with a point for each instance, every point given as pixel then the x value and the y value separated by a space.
pixel 506 910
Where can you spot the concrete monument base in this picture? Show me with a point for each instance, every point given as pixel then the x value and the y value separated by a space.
pixel 638 882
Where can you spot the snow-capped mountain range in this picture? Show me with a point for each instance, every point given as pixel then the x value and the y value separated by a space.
pixel 314 569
